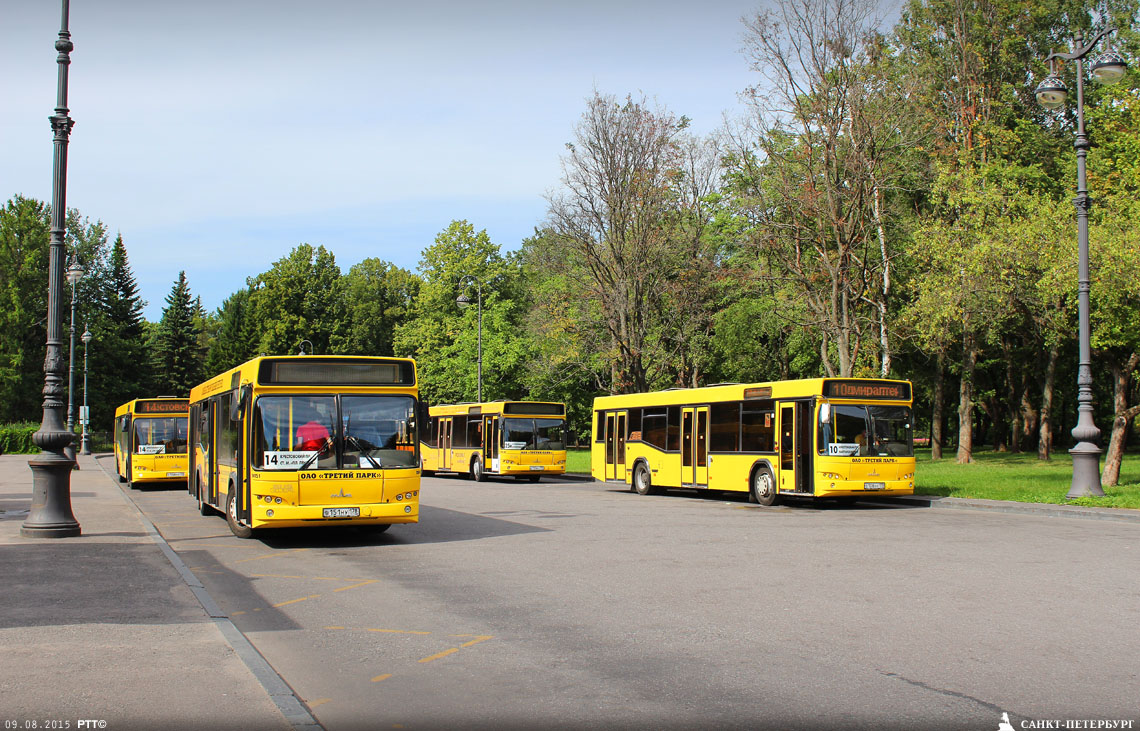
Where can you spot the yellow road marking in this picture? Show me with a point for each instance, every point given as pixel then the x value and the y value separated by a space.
pixel 399 631
pixel 319 701
pixel 363 583
pixel 378 678
pixel 438 655
pixel 294 601
pixel 334 627
pixel 234 614
pixel 477 640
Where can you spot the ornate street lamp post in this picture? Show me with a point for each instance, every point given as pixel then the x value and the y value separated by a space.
pixel 85 448
pixel 51 516
pixel 74 274
pixel 464 302
pixel 1051 94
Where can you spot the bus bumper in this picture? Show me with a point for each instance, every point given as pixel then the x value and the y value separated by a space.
pixel 299 516
pixel 860 488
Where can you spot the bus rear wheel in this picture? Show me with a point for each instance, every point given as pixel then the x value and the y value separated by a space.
pixel 239 530
pixel 763 490
pixel 642 482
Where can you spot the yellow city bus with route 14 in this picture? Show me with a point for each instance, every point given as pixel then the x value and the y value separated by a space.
pixel 150 441
pixel 523 439
pixel 812 438
pixel 307 440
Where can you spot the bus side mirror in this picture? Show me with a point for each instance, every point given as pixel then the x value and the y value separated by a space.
pixel 825 413
pixel 238 400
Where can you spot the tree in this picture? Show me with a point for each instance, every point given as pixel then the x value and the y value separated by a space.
pixel 175 346
pixel 24 232
pixel 300 298
pixel 235 341
pixel 380 297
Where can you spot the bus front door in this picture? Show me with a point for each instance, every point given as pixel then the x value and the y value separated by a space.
pixel 445 443
pixel 615 446
pixel 694 446
pixel 491 443
pixel 795 447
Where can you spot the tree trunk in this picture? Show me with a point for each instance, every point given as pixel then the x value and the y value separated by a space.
pixel 936 435
pixel 1045 434
pixel 966 401
pixel 1121 385
pixel 884 335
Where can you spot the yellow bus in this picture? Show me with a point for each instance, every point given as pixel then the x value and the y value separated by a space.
pixel 525 439
pixel 812 438
pixel 306 440
pixel 150 441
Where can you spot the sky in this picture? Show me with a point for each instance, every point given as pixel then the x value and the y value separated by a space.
pixel 216 136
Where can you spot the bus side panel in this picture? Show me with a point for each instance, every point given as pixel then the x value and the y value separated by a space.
pixel 730 471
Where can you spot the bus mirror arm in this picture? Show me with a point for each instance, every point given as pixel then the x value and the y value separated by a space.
pixel 238 400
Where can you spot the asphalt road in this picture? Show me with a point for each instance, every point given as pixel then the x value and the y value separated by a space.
pixel 574 605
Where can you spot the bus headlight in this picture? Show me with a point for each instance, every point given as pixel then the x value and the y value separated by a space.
pixel 831 476
pixel 399 496
pixel 407 508
pixel 268 513
pixel 277 500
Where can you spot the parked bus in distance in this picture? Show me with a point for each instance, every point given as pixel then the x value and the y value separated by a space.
pixel 524 439
pixel 812 438
pixel 306 440
pixel 150 441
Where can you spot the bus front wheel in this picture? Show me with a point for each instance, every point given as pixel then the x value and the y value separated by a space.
pixel 203 506
pixel 239 530
pixel 477 470
pixel 763 488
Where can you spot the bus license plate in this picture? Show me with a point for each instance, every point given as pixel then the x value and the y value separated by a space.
pixel 175 474
pixel 536 467
pixel 874 485
pixel 342 512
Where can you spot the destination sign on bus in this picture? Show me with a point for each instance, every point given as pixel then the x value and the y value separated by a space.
pixel 311 371
pixel 163 406
pixel 523 407
pixel 885 390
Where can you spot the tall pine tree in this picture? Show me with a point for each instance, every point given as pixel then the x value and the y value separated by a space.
pixel 175 348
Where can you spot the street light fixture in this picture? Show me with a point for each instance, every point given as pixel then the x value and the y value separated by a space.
pixel 464 302
pixel 74 274
pixel 50 515
pixel 85 417
pixel 1051 93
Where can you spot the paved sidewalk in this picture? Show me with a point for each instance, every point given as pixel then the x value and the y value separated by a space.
pixel 102 627
pixel 1008 506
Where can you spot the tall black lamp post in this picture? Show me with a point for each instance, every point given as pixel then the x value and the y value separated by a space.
pixel 85 416
pixel 464 302
pixel 51 516
pixel 1051 94
pixel 74 274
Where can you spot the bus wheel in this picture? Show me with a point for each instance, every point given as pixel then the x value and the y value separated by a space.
pixel 642 484
pixel 477 470
pixel 763 487
pixel 239 530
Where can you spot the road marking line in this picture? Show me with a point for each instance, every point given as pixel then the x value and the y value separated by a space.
pixel 363 583
pixel 319 701
pixel 438 655
pixel 378 678
pixel 398 631
pixel 477 640
pixel 271 555
pixel 294 601
pixel 234 614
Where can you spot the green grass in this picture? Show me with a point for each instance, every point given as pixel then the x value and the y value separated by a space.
pixel 1020 477
pixel 994 476
pixel 578 460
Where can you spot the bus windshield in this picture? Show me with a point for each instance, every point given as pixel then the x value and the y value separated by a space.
pixel 533 433
pixel 867 431
pixel 301 432
pixel 165 435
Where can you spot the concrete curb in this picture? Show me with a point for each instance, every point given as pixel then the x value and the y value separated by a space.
pixel 282 695
pixel 1128 515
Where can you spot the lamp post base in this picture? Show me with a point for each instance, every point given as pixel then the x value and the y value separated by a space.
pixel 84 446
pixel 1086 471
pixel 51 515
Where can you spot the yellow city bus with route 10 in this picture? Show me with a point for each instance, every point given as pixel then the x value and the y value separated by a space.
pixel 307 440
pixel 812 438
pixel 150 441
pixel 522 439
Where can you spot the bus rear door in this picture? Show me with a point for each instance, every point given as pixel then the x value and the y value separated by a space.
pixel 694 446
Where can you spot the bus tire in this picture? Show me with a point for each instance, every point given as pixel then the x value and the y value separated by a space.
pixel 763 487
pixel 477 470
pixel 239 530
pixel 642 482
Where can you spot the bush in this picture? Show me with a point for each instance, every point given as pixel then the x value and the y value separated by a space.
pixel 17 438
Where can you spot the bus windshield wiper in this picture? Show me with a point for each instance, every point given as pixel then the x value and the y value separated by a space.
pixel 316 454
pixel 365 452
